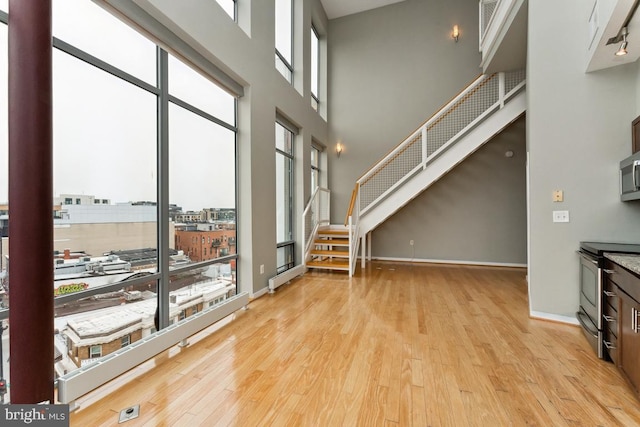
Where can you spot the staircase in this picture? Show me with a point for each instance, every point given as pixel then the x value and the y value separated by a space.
pixel 330 250
pixel 468 121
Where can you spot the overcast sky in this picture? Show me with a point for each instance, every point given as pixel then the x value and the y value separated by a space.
pixel 105 128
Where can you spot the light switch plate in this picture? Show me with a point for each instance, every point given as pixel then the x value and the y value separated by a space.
pixel 560 216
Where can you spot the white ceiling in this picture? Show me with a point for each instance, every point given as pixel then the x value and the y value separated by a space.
pixel 338 8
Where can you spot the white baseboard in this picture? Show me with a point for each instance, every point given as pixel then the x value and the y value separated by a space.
pixel 286 276
pixel 455 262
pixel 254 295
pixel 553 317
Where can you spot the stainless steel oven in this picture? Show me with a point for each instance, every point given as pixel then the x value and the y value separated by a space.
pixel 592 256
pixel 589 314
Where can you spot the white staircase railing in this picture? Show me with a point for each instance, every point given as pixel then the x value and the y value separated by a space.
pixel 353 224
pixel 488 93
pixel 487 7
pixel 315 215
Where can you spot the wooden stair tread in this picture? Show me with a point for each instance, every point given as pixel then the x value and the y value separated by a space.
pixel 333 232
pixel 333 264
pixel 332 242
pixel 339 254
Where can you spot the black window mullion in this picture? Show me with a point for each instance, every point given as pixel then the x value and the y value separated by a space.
pixel 163 187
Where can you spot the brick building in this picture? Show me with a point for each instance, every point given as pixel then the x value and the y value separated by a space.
pixel 202 245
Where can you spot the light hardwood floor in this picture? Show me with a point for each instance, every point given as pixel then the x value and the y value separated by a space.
pixel 397 345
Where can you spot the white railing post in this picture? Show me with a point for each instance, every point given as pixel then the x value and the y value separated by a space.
pixel 364 250
pixel 501 88
pixel 480 26
pixel 424 147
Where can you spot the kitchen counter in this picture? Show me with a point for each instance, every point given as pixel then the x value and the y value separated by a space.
pixel 629 261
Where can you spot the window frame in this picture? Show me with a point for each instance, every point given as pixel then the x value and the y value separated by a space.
pixel 92 353
pixel 279 57
pixel 289 157
pixel 315 95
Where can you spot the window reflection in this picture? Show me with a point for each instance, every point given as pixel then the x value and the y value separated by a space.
pixel 88 27
pixel 192 87
pixel 201 164
pixel 104 134
pixel 284 184
pixel 315 64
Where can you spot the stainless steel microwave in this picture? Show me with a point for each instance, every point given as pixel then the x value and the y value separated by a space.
pixel 630 178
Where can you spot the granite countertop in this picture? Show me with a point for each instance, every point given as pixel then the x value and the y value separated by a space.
pixel 629 261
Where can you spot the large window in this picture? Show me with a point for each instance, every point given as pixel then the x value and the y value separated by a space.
pixel 113 188
pixel 284 198
pixel 284 38
pixel 315 68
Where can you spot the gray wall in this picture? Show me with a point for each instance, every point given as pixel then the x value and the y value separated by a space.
pixel 390 69
pixel 246 52
pixel 578 129
pixel 476 213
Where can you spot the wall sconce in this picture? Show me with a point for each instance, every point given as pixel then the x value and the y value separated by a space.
pixel 456 33
pixel 623 47
pixel 339 149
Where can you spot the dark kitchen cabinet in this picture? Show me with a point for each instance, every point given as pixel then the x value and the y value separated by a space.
pixel 621 315
pixel 629 340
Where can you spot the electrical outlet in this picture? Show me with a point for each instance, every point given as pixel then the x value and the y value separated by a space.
pixel 261 268
pixel 411 242
pixel 560 216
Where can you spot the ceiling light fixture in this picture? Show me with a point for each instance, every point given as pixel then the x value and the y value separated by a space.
pixel 623 47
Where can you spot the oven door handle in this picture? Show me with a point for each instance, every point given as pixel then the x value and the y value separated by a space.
pixel 579 316
pixel 587 257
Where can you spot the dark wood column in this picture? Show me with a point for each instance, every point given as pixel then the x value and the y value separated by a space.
pixel 30 202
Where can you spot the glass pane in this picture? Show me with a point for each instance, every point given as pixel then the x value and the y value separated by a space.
pixel 315 155
pixel 4 5
pixel 201 163
pixel 94 30
pixel 284 139
pixel 201 288
pixel 229 6
pixel 104 140
pixel 314 179
pixel 190 86
pixel 315 57
pixel 283 198
pixel 285 258
pixel 94 327
pixel 284 24
pixel 283 69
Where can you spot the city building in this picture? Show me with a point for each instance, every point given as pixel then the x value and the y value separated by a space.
pixel 97 229
pixel 79 199
pixel 85 338
pixel 202 245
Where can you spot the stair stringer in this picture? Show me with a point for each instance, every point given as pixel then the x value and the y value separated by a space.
pixel 449 159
